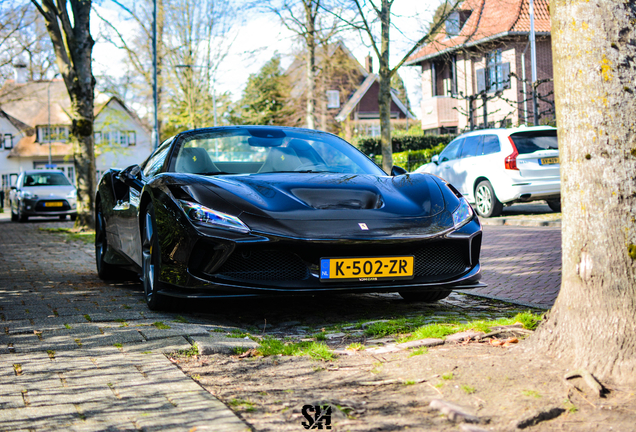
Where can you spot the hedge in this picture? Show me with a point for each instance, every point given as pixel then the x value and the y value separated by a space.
pixel 401 143
pixel 413 159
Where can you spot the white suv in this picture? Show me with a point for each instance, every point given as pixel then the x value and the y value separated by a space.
pixel 493 167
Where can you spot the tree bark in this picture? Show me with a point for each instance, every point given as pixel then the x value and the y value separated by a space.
pixel 384 97
pixel 593 322
pixel 311 9
pixel 73 47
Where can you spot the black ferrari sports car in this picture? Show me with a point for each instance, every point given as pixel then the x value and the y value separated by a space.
pixel 253 210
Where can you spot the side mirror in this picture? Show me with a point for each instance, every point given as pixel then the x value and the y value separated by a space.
pixel 397 171
pixel 131 176
pixel 435 159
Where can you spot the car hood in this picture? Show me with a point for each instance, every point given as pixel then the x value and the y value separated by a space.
pixel 49 192
pixel 324 205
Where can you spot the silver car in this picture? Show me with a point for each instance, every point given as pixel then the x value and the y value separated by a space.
pixel 43 193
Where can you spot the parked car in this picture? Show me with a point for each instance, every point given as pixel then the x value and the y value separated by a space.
pixel 43 193
pixel 493 167
pixel 246 210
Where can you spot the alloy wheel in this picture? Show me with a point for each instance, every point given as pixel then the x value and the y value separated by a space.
pixel 484 199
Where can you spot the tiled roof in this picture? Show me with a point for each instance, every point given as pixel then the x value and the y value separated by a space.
pixel 27 147
pixel 489 18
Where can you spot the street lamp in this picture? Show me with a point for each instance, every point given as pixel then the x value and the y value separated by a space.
pixel 213 87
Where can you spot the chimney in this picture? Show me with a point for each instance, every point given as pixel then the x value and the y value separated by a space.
pixel 20 70
pixel 368 63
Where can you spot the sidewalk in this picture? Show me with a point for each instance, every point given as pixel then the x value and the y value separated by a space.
pixel 79 355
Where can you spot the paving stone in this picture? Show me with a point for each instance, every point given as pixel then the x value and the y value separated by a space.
pixel 217 343
pixel 429 342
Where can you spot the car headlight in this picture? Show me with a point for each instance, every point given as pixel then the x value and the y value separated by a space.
pixel 72 194
pixel 199 213
pixel 26 194
pixel 462 214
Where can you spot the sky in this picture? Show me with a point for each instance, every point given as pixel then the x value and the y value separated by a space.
pixel 260 36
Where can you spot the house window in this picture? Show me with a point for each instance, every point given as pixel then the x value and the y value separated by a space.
pixel 7 141
pixel 116 138
pixel 47 134
pixel 496 75
pixel 456 21
pixel 333 99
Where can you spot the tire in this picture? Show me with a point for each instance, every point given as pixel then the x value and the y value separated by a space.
pixel 14 216
pixel 105 271
pixel 425 296
pixel 486 201
pixel 74 217
pixel 22 217
pixel 151 260
pixel 555 205
pixel 62 217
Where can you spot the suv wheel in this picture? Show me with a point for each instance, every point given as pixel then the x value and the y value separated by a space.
pixel 486 201
pixel 555 205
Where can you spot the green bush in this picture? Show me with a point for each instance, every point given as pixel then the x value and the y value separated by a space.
pixel 413 159
pixel 402 143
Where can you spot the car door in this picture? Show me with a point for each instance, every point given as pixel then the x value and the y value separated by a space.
pixel 446 165
pixel 467 165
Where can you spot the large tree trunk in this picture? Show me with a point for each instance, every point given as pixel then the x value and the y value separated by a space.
pixel 73 47
pixel 384 97
pixel 593 322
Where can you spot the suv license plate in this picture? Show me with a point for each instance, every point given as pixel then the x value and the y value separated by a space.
pixel 366 269
pixel 549 161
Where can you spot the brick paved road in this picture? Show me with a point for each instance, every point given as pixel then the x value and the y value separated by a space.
pixel 521 264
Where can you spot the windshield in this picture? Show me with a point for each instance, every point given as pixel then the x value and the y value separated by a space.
pixel 46 179
pixel 268 150
pixel 530 142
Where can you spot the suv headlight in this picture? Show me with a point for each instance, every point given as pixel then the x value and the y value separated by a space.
pixel 26 194
pixel 201 214
pixel 462 214
pixel 72 194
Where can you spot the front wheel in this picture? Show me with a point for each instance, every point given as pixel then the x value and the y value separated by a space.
pixel 105 271
pixel 21 216
pixel 555 205
pixel 150 259
pixel 425 296
pixel 487 203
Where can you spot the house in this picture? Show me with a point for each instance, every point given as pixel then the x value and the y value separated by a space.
pixel 347 101
pixel 477 71
pixel 35 125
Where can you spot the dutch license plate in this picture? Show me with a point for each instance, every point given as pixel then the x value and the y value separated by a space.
pixel 366 269
pixel 549 161
pixel 53 204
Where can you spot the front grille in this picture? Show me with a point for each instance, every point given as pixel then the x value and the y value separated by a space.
pixel 40 207
pixel 440 259
pixel 264 265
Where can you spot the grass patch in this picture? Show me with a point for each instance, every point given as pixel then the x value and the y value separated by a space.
pixel 242 403
pixel 408 382
pixel 180 319
pixel 67 326
pixel 88 318
pixel 237 334
pixel 190 352
pixel 87 237
pixel 356 346
pixel 468 389
pixel 51 354
pixel 531 393
pixel 239 350
pixel 418 351
pixel 146 352
pixel 448 376
pixel 315 350
pixel 161 326
pixel 322 336
pixel 118 345
pixel 441 330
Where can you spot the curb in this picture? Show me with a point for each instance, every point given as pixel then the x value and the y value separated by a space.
pixel 520 222
pixel 509 300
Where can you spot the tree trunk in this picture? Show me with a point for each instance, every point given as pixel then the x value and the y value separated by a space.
pixel 310 39
pixel 593 322
pixel 384 97
pixel 73 47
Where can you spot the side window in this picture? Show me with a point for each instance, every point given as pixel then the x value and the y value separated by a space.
pixel 471 145
pixel 155 162
pixel 451 151
pixel 491 144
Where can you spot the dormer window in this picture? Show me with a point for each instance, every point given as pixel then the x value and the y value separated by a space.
pixel 52 133
pixel 456 21
pixel 116 138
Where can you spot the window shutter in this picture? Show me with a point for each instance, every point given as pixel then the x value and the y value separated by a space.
pixel 132 138
pixel 480 75
pixel 505 75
